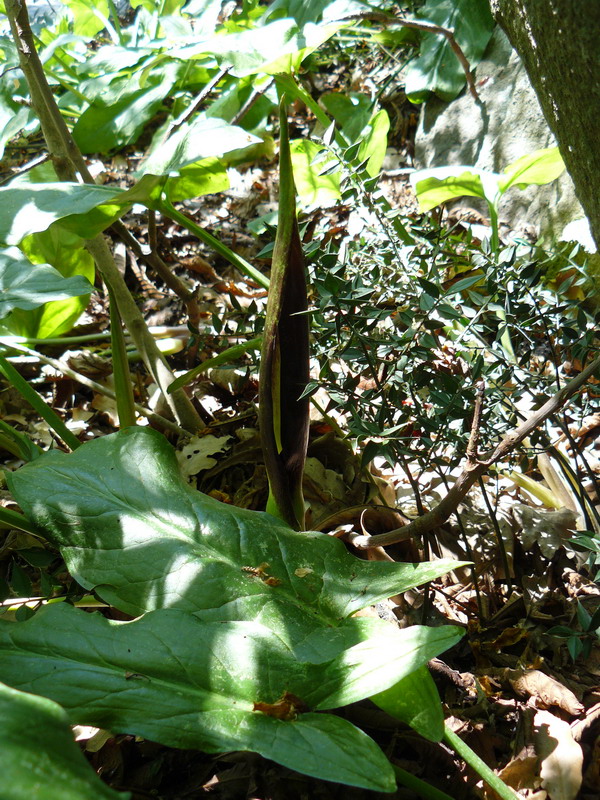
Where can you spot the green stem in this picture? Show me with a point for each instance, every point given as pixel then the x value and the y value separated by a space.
pixel 40 405
pixel 480 767
pixel 114 17
pixel 228 355
pixel 121 374
pixel 240 263
pixel 15 520
pixel 10 446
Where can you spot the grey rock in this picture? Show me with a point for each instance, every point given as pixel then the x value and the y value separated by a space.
pixel 508 123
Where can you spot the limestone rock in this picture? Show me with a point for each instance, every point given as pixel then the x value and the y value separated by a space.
pixel 506 124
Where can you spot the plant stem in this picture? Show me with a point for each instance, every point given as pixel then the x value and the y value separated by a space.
pixel 104 390
pixel 40 405
pixel 121 373
pixel 240 263
pixel 480 767
pixel 15 520
pixel 68 162
pixel 422 788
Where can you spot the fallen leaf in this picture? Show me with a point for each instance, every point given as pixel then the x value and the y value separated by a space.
pixel 196 455
pixel 548 528
pixel 561 756
pixel 534 683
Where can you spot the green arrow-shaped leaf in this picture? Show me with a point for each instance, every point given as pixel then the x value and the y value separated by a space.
pixel 215 686
pixel 26 286
pixel 129 527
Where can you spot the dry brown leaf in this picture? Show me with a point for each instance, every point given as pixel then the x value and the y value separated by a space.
pixel 548 528
pixel 561 757
pixel 521 773
pixel 534 683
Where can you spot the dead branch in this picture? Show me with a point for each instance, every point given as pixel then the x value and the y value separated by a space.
pixel 475 469
pixel 422 25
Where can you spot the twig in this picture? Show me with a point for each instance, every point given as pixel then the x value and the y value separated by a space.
pixel 252 98
pixel 471 472
pixel 473 444
pixel 65 369
pixel 153 260
pixel 200 98
pixel 429 27
pixel 68 163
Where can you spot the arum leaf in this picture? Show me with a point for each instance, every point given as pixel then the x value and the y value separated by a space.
pixel 278 47
pixel 537 168
pixel 102 128
pixel 38 757
pixel 415 700
pixel 27 286
pixel 438 69
pixel 65 252
pixel 214 686
pixel 439 184
pixel 31 208
pixel 314 188
pixel 204 137
pixel 130 527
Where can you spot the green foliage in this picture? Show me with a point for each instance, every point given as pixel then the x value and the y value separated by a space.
pixel 439 184
pixel 26 286
pixel 247 610
pixel 38 756
pixel 579 642
pixel 244 633
pixel 437 69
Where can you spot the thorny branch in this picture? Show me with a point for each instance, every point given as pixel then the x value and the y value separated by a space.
pixel 475 469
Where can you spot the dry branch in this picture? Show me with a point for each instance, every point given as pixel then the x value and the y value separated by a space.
pixel 474 469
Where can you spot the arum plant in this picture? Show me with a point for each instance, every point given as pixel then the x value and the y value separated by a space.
pixel 284 368
pixel 440 184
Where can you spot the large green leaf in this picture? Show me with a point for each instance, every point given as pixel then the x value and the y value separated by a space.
pixel 415 700
pixel 314 186
pixel 30 208
pixel 191 142
pixel 65 252
pixel 38 758
pixel 440 184
pixel 130 527
pixel 187 683
pixel 437 69
pixel 102 128
pixel 27 286
pixel 360 122
pixel 273 48
pixel 542 166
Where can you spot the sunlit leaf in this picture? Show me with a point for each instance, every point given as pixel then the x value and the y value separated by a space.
pixel 437 69
pixel 27 286
pixel 215 686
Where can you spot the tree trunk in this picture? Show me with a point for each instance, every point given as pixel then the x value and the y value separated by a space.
pixel 558 42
